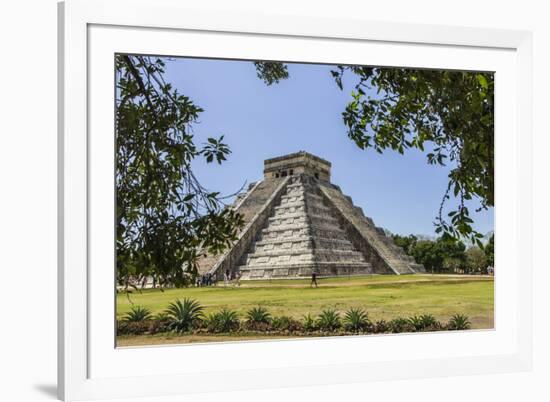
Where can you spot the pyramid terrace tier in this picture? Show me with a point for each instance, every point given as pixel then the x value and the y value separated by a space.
pixel 303 229
pixel 297 218
pixel 295 256
pixel 300 206
pixel 293 197
pixel 302 242
pixel 314 207
pixel 305 270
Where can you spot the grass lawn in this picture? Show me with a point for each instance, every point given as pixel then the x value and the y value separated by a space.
pixel 382 296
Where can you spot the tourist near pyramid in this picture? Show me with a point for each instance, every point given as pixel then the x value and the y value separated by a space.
pixel 297 222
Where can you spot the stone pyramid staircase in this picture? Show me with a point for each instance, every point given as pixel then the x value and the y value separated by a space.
pixel 303 235
pixel 249 206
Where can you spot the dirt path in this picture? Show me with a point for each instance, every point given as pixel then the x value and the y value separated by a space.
pixel 366 282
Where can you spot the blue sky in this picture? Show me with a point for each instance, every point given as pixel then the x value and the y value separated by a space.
pixel 400 192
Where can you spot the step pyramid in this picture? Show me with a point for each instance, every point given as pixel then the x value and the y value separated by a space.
pixel 297 223
pixel 303 235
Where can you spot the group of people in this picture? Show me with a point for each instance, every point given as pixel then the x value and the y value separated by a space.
pixel 204 280
pixel 209 280
pixel 228 276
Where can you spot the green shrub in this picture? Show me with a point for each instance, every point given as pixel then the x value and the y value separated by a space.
pixel 425 322
pixel 224 320
pixel 258 319
pixel 257 326
pixel 428 321
pixel 380 327
pixel 184 315
pixel 329 320
pixel 399 325
pixel 162 316
pixel 209 322
pixel 416 322
pixel 308 322
pixel 187 314
pixel 141 327
pixel 160 326
pixel 137 314
pixel 258 315
pixel 458 322
pixel 161 323
pixel 132 327
pixel 285 323
pixel 356 320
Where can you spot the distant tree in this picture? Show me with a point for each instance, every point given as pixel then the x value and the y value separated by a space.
pixel 426 253
pixel 490 251
pixel 453 264
pixel 407 243
pixel 440 255
pixel 476 260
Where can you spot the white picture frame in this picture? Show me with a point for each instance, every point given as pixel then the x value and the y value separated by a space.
pixel 89 365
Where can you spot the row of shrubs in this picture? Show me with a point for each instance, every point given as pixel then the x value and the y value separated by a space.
pixel 187 316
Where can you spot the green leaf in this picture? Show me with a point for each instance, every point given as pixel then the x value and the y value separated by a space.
pixel 482 81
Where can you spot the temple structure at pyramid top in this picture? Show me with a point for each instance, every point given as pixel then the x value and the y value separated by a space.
pixel 297 164
pixel 297 222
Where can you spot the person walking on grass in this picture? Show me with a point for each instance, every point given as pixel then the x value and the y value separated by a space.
pixel 313 279
pixel 238 279
pixel 226 278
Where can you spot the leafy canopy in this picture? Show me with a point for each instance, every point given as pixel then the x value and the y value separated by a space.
pixel 165 218
pixel 449 115
pixel 271 72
